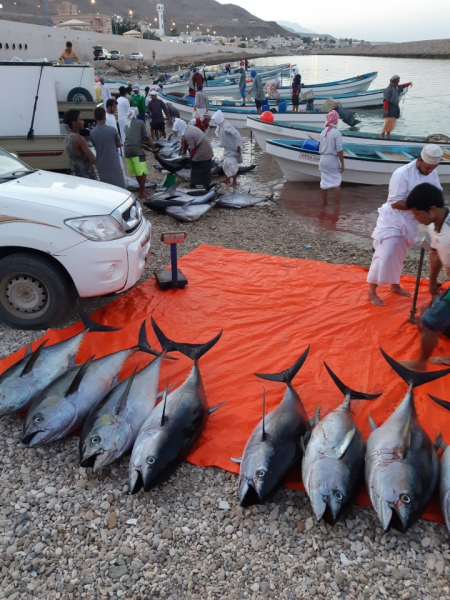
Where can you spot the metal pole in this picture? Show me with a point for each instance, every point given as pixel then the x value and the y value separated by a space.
pixel 173 260
pixel 412 318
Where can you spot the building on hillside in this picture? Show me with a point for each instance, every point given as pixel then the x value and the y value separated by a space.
pixel 66 12
pixel 133 33
pixel 76 25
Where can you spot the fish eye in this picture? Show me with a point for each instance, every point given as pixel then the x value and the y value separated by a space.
pixel 405 498
pixel 95 439
pixel 338 495
pixel 260 473
pixel 38 419
pixel 151 460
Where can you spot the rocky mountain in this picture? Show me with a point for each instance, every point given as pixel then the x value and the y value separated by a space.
pixel 224 19
pixel 294 27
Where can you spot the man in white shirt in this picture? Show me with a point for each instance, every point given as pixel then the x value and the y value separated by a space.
pixel 396 229
pixel 426 203
pixel 111 107
pixel 123 106
pixel 104 90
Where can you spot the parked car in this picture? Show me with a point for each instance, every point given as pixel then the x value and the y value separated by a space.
pixel 63 236
pixel 105 54
pixel 136 56
pixel 116 55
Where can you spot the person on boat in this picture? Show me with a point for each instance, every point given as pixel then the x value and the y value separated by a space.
pixel 138 101
pixel 136 139
pixel 156 110
pixel 81 158
pixel 231 142
pixel 68 56
pixel 106 141
pixel 242 84
pixel 123 107
pixel 331 164
pixel 296 86
pixel 396 229
pixel 200 103
pixel 228 68
pixel 257 90
pixel 391 109
pixel 201 153
pixel 426 203
pixel 104 90
pixel 246 65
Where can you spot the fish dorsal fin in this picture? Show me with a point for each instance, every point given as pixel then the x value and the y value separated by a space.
pixel 414 378
pixel 372 423
pixel 405 438
pixel 28 350
pixel 287 375
pixel 164 400
pixel 443 403
pixel 79 377
pixel 33 358
pixel 264 416
pixel 126 392
pixel 340 449
pixel 214 408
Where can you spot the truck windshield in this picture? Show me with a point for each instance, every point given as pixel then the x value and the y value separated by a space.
pixel 11 167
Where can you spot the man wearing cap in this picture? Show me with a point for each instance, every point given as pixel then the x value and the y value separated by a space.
pixel 391 109
pixel 231 142
pixel 426 203
pixel 396 229
pixel 258 90
pixel 156 109
pixel 138 101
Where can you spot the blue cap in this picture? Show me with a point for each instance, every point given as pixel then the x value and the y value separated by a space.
pixel 135 86
pixel 253 73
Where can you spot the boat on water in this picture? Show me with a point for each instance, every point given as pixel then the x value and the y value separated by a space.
pixel 364 163
pixel 238 115
pixel 263 131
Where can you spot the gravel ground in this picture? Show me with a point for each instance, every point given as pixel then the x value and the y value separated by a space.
pixel 66 534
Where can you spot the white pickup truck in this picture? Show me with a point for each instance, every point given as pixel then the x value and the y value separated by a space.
pixel 62 236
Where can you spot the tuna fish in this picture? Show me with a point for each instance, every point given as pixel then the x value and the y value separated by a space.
pixel 401 461
pixel 238 199
pixel 189 212
pixel 25 380
pixel 275 444
pixel 445 470
pixel 333 461
pixel 112 426
pixel 64 404
pixel 173 427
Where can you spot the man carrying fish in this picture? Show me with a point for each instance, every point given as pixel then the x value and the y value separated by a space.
pixel 201 153
pixel 426 203
pixel 231 141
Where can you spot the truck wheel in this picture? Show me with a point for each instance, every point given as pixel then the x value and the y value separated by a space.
pixel 34 292
pixel 79 94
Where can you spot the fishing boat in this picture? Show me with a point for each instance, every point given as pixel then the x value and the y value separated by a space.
pixel 263 131
pixel 364 163
pixel 238 115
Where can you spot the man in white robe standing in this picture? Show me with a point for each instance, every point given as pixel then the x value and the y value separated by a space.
pixel 104 90
pixel 396 229
pixel 231 142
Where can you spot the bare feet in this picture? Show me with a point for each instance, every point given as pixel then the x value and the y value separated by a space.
pixel 399 290
pixel 375 299
pixel 415 365
pixel 440 360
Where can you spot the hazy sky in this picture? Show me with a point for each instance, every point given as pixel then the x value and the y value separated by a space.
pixel 396 21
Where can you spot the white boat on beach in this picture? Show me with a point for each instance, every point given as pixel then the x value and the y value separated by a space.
pixel 364 164
pixel 238 115
pixel 263 131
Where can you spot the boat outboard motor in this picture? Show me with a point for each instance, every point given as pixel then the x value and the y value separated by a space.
pixel 350 118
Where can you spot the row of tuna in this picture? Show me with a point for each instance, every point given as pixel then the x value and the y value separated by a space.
pixel 115 416
pixel 400 461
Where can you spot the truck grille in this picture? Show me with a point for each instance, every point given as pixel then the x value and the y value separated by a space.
pixel 129 214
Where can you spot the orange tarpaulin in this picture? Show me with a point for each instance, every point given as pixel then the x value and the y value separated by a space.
pixel 270 308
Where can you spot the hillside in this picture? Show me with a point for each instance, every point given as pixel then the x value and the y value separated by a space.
pixel 295 27
pixel 224 19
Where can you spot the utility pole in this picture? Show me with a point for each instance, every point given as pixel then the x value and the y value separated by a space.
pixel 47 16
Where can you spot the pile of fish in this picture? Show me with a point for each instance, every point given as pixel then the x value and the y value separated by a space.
pixel 400 461
pixel 189 205
pixel 115 416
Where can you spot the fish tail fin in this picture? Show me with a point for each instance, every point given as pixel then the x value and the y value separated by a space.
pixel 192 351
pixel 413 378
pixel 90 324
pixel 347 391
pixel 143 343
pixel 287 375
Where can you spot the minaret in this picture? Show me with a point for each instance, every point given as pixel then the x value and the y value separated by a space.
pixel 160 9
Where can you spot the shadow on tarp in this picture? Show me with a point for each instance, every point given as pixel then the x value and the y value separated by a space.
pixel 270 308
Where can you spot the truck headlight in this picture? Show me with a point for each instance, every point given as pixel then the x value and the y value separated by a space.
pixel 97 229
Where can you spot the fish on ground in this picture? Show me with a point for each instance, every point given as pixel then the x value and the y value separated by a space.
pixel 173 164
pixel 179 199
pixel 174 426
pixel 401 462
pixel 21 383
pixel 333 462
pixel 444 485
pixel 189 212
pixel 275 444
pixel 238 199
pixel 66 402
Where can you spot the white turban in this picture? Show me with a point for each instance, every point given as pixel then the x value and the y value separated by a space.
pixel 131 114
pixel 218 118
pixel 179 126
pixel 432 154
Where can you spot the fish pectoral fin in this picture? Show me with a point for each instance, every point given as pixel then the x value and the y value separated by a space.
pixel 237 459
pixel 79 377
pixel 214 408
pixel 304 440
pixel 316 417
pixel 372 423
pixel 28 350
pixel 341 448
pixel 405 438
